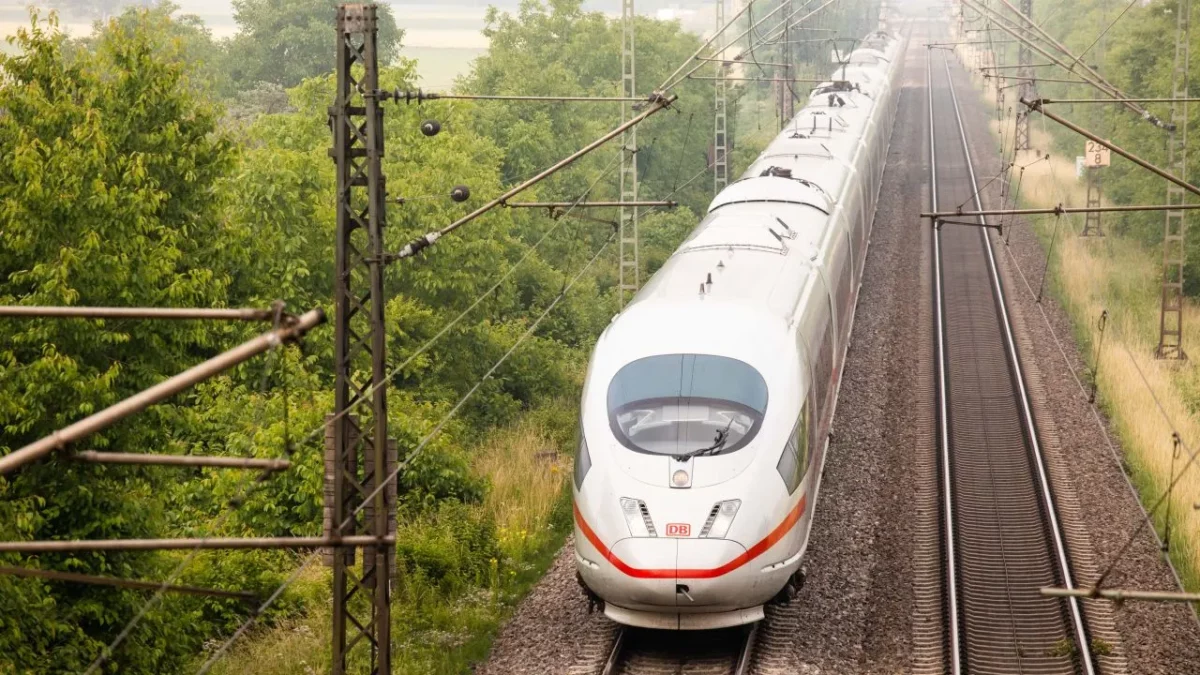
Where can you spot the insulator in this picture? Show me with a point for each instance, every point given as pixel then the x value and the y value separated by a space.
pixel 431 127
pixel 460 193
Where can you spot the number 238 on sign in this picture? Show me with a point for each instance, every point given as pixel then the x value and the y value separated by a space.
pixel 1096 154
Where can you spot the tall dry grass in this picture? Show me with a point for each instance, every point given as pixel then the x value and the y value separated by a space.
pixel 1090 276
pixel 526 474
pixel 433 630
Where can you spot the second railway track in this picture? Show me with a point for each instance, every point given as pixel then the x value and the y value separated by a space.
pixel 651 652
pixel 1002 537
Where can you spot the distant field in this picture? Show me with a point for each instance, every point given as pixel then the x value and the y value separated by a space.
pixel 438 66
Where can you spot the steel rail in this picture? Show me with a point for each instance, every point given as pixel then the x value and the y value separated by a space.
pixel 614 656
pixel 745 656
pixel 94 457
pixel 952 608
pixel 60 439
pixel 29 312
pixel 634 651
pixel 1083 646
pixel 92 579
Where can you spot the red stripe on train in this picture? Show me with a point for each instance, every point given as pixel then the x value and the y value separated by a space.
pixel 751 553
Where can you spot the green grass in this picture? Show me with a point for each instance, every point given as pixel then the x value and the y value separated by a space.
pixel 443 624
pixel 1120 276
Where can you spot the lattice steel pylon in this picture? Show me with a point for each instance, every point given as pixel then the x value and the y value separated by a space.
pixel 1170 318
pixel 1028 89
pixel 361 460
pixel 630 264
pixel 720 156
pixel 1092 224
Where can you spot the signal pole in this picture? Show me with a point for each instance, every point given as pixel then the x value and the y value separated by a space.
pixel 630 268
pixel 720 157
pixel 1170 318
pixel 360 455
pixel 1092 226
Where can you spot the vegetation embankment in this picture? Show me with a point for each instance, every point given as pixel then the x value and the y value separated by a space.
pixel 135 178
pixel 149 164
pixel 1121 272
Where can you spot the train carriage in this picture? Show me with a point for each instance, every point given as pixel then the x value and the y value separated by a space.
pixel 706 409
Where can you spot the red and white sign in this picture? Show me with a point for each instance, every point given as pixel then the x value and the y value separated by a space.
pixel 679 530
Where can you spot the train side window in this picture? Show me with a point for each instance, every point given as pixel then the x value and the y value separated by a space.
pixel 793 462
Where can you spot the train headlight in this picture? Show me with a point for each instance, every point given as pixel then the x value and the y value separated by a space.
pixel 720 518
pixel 637 518
pixel 680 478
pixel 583 462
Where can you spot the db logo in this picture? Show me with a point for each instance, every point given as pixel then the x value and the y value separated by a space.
pixel 679 530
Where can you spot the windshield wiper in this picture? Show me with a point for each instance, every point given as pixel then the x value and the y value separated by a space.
pixel 718 443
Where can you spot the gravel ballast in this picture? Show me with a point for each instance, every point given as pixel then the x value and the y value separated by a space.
pixel 859 612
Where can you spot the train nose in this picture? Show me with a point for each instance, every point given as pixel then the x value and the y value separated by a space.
pixel 651 561
pixel 712 572
pixel 691 574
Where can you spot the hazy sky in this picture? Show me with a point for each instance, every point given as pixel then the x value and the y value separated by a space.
pixel 427 23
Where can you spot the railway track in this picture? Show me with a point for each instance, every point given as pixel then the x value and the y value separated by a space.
pixel 1001 535
pixel 650 652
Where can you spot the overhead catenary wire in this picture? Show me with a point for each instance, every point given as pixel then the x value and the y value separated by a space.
pixel 706 43
pixel 1103 32
pixel 275 595
pixel 92 579
pixel 679 78
pixel 310 436
pixel 164 587
pixel 159 392
pixel 429 239
pixel 1113 452
pixel 402 466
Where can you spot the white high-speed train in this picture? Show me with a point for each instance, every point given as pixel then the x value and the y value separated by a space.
pixel 708 400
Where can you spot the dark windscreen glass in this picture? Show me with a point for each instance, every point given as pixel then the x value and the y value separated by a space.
pixel 679 403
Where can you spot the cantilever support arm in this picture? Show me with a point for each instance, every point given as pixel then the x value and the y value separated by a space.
pixel 160 392
pixel 1119 595
pixel 1037 105
pixel 658 102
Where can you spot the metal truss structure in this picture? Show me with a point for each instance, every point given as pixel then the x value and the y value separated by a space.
pixel 360 460
pixel 630 264
pixel 1170 318
pixel 1027 90
pixel 720 152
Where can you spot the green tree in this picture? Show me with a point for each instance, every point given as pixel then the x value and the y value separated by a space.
pixel 556 48
pixel 99 9
pixel 183 37
pixel 105 199
pixel 285 41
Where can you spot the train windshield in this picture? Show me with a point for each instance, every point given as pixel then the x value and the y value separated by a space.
pixel 686 403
